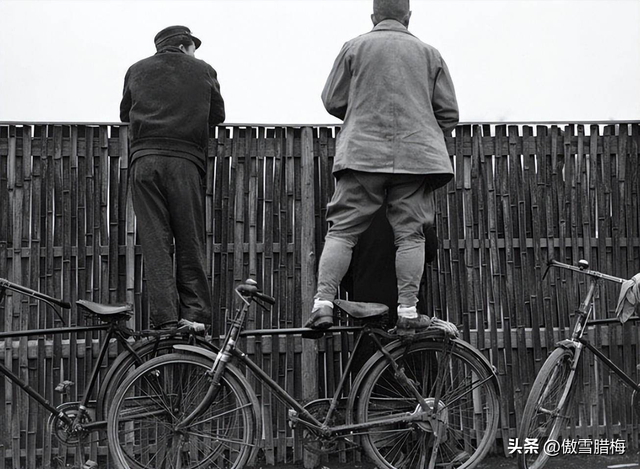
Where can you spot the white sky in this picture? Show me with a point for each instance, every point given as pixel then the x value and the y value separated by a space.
pixel 511 60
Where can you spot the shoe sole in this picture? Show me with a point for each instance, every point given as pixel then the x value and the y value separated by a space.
pixel 322 323
pixel 405 332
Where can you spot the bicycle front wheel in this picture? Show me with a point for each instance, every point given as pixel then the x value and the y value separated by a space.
pixel 143 419
pixel 126 363
pixel 460 392
pixel 546 412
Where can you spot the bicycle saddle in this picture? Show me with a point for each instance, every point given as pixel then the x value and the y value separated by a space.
pixel 105 310
pixel 360 310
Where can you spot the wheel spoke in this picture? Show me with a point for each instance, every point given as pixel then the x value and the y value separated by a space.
pixel 457 388
pixel 143 421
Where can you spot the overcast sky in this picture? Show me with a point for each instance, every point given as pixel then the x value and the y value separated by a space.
pixel 511 60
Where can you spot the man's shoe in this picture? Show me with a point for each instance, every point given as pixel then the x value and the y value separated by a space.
pixel 194 327
pixel 321 317
pixel 168 327
pixel 408 326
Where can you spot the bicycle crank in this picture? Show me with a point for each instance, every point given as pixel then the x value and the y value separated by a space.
pixel 62 430
pixel 311 441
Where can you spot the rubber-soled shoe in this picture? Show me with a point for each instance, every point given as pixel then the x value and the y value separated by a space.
pixel 408 326
pixel 321 318
pixel 194 327
pixel 166 328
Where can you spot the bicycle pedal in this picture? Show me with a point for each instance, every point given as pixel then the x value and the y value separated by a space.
pixel 64 387
pixel 90 464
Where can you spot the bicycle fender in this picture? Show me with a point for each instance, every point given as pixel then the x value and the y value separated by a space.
pixel 391 347
pixel 197 350
pixel 567 344
pixel 484 360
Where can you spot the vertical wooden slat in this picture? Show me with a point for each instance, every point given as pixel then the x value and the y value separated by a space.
pixel 517 233
pixel 5 430
pixel 308 258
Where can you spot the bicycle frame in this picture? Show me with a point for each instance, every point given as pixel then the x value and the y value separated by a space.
pixel 298 412
pixel 112 329
pixel 577 342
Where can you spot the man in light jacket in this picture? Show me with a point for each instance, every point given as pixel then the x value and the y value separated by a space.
pixel 396 98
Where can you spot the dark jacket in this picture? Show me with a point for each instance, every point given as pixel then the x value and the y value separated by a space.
pixel 171 99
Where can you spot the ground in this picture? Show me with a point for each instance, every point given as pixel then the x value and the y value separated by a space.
pixel 627 461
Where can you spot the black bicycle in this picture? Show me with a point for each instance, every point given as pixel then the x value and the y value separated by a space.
pixel 72 422
pixel 426 400
pixel 547 411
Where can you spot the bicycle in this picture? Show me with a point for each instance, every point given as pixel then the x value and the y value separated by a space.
pixel 424 400
pixel 72 422
pixel 547 410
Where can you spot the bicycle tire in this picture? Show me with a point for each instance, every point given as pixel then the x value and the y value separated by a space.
pixel 126 362
pixel 469 415
pixel 544 416
pixel 158 395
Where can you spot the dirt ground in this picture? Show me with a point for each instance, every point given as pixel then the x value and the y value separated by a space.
pixel 626 461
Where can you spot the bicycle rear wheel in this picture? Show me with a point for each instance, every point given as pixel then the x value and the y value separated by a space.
pixel 459 390
pixel 546 412
pixel 158 395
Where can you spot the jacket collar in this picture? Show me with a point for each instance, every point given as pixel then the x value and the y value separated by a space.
pixel 390 25
pixel 172 49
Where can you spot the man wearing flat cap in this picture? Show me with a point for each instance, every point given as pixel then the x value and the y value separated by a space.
pixel 171 100
pixel 397 99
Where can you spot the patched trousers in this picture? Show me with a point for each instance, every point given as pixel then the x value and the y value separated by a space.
pixel 168 200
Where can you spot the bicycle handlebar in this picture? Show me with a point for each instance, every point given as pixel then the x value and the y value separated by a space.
pixel 585 271
pixel 250 289
pixel 4 283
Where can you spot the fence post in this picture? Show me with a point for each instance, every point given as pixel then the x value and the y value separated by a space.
pixel 308 272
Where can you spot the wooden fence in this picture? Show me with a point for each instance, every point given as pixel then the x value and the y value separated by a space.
pixel 522 194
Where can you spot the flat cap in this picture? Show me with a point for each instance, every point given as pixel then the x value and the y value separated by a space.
pixel 173 31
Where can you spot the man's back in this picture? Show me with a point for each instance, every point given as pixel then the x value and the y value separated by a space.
pixel 396 98
pixel 173 99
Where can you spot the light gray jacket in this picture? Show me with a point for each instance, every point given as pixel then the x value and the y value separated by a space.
pixel 396 98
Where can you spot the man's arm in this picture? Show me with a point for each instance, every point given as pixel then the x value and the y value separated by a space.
pixel 216 109
pixel 445 105
pixel 335 95
pixel 125 104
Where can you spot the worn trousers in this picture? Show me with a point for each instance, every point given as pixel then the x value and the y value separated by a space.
pixel 168 200
pixel 357 198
